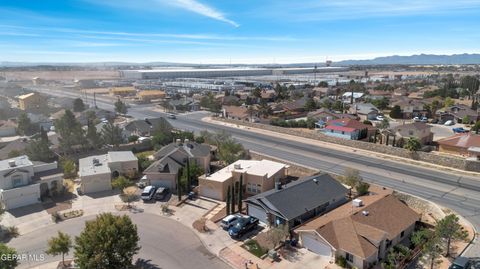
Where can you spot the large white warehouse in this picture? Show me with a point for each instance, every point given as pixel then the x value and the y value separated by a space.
pixel 211 73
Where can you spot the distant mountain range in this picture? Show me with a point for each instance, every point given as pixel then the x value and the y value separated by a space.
pixel 427 59
pixel 421 59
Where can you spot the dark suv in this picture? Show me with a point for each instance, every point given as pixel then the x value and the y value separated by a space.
pixel 242 226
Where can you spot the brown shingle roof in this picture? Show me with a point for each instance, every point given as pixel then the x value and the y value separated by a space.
pixel 464 140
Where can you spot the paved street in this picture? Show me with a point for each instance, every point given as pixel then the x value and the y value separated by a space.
pixel 165 243
pixel 457 191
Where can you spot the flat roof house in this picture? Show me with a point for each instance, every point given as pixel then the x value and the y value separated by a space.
pixel 172 157
pixel 298 201
pixel 96 172
pixel 257 177
pixel 31 101
pixel 23 182
pixel 361 232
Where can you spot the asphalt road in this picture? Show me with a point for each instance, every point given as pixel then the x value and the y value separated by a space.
pixel 458 191
pixel 165 243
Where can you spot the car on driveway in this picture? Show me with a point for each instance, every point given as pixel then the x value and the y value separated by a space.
pixel 171 116
pixel 242 226
pixel 449 123
pixel 460 263
pixel 160 193
pixel 147 193
pixel 424 119
pixel 229 220
pixel 380 117
pixel 459 130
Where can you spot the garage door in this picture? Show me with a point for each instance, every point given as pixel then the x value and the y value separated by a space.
pixel 257 212
pixel 210 193
pixel 316 246
pixel 162 183
pixel 24 200
pixel 96 186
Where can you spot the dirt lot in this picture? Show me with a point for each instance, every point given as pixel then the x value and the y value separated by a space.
pixel 61 75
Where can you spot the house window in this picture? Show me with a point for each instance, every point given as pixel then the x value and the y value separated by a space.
pixel 254 188
pixel 343 132
pixel 349 257
pixel 402 234
pixel 17 181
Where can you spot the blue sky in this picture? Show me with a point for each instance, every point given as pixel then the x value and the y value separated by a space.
pixel 234 31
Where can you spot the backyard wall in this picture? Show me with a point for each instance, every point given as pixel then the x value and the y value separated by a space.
pixel 448 161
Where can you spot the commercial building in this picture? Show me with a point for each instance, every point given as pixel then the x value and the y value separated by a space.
pixel 257 177
pixel 31 101
pixel 23 183
pixel 149 95
pixel 224 72
pixel 96 172
pixel 122 91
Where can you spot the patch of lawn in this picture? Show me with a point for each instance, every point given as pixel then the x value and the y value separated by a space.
pixel 253 247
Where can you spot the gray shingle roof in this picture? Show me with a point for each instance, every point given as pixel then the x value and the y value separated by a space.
pixel 304 194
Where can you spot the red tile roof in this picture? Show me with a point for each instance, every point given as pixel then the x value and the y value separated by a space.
pixel 464 140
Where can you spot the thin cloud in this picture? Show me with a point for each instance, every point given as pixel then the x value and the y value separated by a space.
pixel 203 9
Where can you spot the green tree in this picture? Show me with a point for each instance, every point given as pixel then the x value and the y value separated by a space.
pixel 24 124
pixel 384 124
pixel 362 188
pixel 310 104
pixel 143 161
pixel 209 102
pixel 39 150
pixel 257 92
pixel 109 241
pixel 323 84
pixel 476 127
pixel 449 102
pixel 121 183
pixel 190 174
pixel 69 168
pixel 112 134
pixel 352 177
pixel 466 119
pixel 233 200
pixel 59 245
pixel 278 234
pixel 228 207
pixel 94 138
pixel 420 237
pixel 7 252
pixel 120 107
pixel 396 112
pixel 179 184
pixel 14 153
pixel 413 144
pixel 70 131
pixel 432 251
pixel 78 105
pixel 449 229
pixel 470 83
pixel 381 103
pixel 240 194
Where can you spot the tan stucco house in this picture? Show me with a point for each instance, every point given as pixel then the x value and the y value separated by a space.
pixel 96 172
pixel 257 177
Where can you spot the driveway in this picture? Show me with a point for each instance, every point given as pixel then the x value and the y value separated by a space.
pixel 165 243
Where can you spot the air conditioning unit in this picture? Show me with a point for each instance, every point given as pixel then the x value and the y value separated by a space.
pixel 357 202
pixel 237 166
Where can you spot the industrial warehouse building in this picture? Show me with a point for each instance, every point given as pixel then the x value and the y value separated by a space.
pixel 231 72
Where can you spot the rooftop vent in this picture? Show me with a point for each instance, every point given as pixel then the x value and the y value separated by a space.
pixel 178 141
pixel 96 162
pixel 315 180
pixel 357 203
pixel 237 166
pixel 12 163
pixel 365 212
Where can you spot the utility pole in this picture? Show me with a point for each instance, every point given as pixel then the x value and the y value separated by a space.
pixel 94 100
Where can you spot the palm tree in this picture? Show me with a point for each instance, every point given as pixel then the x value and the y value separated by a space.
pixel 413 144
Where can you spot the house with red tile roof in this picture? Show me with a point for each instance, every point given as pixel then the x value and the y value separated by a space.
pixel 349 129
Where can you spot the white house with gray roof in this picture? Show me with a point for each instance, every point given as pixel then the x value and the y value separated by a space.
pixel 23 182
pixel 96 172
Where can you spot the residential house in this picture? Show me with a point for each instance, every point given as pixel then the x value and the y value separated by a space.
pixel 420 93
pixel 96 172
pixel 458 113
pixel 400 92
pixel 419 130
pixel 184 104
pixel 365 111
pixel 410 107
pixel 7 128
pixel 268 95
pixel 257 177
pixel 173 157
pixel 323 115
pixel 23 182
pixel 323 91
pixel 459 144
pixel 298 201
pixel 144 127
pixel 349 129
pixel 31 101
pixel 18 145
pixel 357 97
pixel 362 231
pixel 239 113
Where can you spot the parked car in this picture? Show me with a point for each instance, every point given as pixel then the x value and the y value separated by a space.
pixel 416 119
pixel 434 121
pixel 171 116
pixel 449 123
pixel 147 193
pixel 380 117
pixel 161 193
pixel 229 220
pixel 242 226
pixel 460 263
pixel 460 130
pixel 424 119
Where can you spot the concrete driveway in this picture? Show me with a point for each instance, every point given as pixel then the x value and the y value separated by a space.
pixel 165 243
